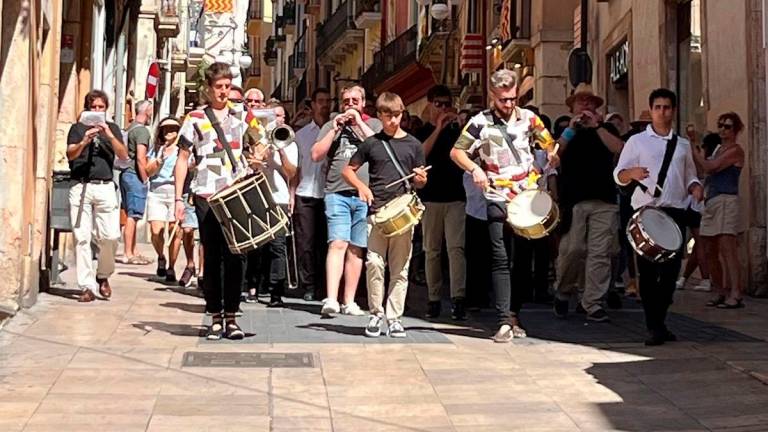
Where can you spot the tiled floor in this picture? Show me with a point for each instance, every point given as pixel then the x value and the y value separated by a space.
pixel 118 366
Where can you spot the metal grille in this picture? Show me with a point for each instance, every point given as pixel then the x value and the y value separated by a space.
pixel 248 360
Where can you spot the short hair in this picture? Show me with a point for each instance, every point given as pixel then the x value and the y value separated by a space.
pixel 439 91
pixel 253 90
pixel 662 93
pixel 318 91
pixel 273 102
pixel 504 79
pixel 93 95
pixel 142 106
pixel 389 103
pixel 236 88
pixel 217 71
pixel 738 125
pixel 356 88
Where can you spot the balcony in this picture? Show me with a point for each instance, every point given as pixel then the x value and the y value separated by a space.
pixel 270 52
pixel 338 37
pixel 297 64
pixel 178 56
pixel 289 18
pixel 393 58
pixel 520 30
pixel 255 17
pixel 167 22
pixel 367 13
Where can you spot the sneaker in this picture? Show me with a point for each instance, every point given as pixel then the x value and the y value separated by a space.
pixel 561 308
pixel 433 309
pixel 161 271
pixel 598 316
pixel 504 334
pixel 170 275
pixel 309 296
pixel 704 286
pixel 396 329
pixel 680 284
pixel 352 309
pixel 373 329
pixel 186 277
pixel 275 302
pixel 457 312
pixel 330 307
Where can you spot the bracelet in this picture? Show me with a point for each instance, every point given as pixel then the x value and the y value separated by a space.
pixel 179 200
pixel 568 134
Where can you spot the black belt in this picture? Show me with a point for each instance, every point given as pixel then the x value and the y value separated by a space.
pixel 347 193
pixel 95 181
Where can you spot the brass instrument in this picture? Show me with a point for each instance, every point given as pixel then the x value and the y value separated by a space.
pixel 291 262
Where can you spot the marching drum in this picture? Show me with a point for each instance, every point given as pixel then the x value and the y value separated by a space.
pixel 654 235
pixel 533 214
pixel 398 215
pixel 248 215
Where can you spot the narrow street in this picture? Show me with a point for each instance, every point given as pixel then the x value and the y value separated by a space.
pixel 137 362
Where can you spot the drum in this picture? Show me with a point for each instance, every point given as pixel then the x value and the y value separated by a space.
pixel 248 215
pixel 654 235
pixel 399 215
pixel 533 214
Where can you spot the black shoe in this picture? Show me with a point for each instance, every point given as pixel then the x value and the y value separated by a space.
pixel 433 309
pixel 613 300
pixel 655 340
pixel 275 302
pixel 457 312
pixel 669 336
pixel 580 309
pixel 170 275
pixel 186 277
pixel 598 316
pixel 309 296
pixel 561 308
pixel 161 271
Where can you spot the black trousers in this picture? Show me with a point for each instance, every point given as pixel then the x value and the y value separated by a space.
pixel 476 250
pixel 657 281
pixel 531 268
pixel 267 264
pixel 223 270
pixel 310 229
pixel 509 298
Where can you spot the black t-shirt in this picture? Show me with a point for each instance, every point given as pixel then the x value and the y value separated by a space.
pixel 380 167
pixel 445 177
pixel 586 169
pixel 96 160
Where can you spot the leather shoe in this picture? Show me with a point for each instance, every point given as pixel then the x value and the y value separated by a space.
pixel 87 296
pixel 104 289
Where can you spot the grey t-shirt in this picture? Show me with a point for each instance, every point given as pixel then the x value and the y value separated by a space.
pixel 138 134
pixel 344 146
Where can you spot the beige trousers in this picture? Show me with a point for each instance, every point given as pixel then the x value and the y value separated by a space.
pixel 444 220
pixel 586 252
pixel 394 252
pixel 100 221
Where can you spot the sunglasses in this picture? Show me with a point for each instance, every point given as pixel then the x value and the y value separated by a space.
pixel 441 104
pixel 725 126
pixel 169 128
pixel 509 99
pixel 254 100
pixel 236 101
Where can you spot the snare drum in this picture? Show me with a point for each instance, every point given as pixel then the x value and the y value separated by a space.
pixel 248 215
pixel 533 214
pixel 399 215
pixel 654 235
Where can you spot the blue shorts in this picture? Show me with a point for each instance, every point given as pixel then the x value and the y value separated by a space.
pixel 346 219
pixel 133 193
pixel 190 217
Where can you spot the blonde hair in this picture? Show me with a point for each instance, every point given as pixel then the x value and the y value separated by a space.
pixel 504 79
pixel 389 103
pixel 253 90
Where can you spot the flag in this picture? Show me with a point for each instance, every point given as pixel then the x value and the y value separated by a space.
pixel 218 6
pixel 472 53
pixel 505 33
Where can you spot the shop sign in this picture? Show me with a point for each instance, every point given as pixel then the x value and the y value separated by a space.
pixel 620 62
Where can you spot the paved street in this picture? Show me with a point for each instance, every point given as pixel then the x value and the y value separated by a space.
pixel 137 362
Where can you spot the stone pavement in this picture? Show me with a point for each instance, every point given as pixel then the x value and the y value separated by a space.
pixel 137 363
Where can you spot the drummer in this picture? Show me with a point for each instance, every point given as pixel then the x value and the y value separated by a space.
pixel 500 136
pixel 214 172
pixel 641 161
pixel 393 251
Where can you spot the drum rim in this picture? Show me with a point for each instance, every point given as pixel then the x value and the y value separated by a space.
pixel 646 234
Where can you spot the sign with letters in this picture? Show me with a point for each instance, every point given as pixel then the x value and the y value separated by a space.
pixel 619 60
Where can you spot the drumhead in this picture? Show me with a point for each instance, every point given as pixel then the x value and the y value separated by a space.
pixel 661 228
pixel 393 207
pixel 529 208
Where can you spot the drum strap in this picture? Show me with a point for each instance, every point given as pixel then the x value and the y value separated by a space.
pixel 393 157
pixel 222 137
pixel 668 153
pixel 507 137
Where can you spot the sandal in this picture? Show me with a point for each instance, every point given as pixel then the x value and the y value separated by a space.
pixel 716 302
pixel 517 330
pixel 725 305
pixel 234 332
pixel 216 329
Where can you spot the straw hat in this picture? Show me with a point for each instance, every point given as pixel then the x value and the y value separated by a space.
pixel 584 90
pixel 643 120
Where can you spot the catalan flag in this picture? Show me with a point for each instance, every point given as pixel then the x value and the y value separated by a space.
pixel 219 6
pixel 505 32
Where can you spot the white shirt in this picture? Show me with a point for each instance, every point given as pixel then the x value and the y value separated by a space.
pixel 274 176
pixel 312 181
pixel 647 150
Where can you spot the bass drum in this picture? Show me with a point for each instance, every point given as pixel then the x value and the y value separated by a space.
pixel 654 235
pixel 248 215
pixel 533 214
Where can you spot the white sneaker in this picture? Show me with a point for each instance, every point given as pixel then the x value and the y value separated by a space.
pixel 352 309
pixel 705 286
pixel 373 329
pixel 330 307
pixel 396 329
pixel 680 283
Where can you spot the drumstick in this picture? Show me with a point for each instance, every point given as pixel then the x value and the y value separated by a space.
pixel 497 193
pixel 173 234
pixel 408 177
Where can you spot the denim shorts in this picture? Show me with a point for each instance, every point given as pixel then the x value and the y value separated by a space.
pixel 346 219
pixel 190 217
pixel 133 193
